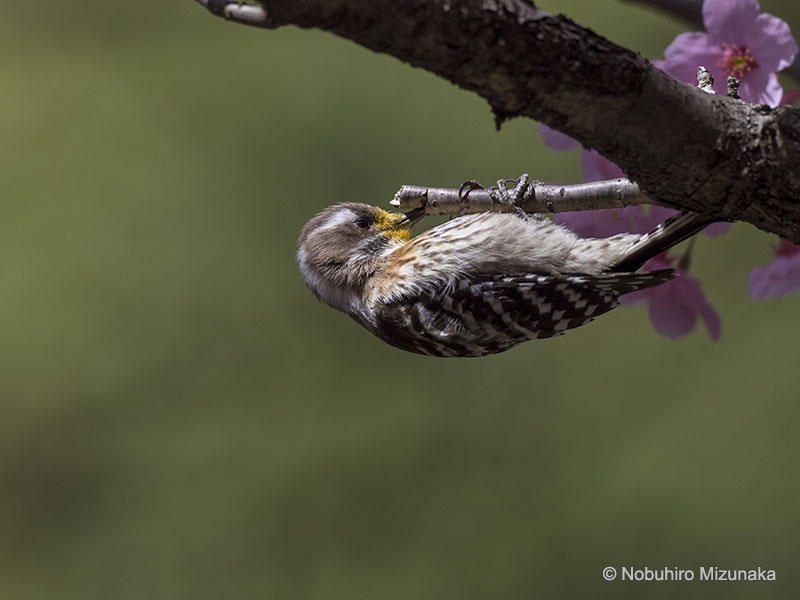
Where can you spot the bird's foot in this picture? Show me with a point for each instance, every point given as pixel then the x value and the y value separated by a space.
pixel 512 198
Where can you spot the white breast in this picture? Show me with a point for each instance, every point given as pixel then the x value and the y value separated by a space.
pixel 491 243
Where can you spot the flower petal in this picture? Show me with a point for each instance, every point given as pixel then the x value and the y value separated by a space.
pixel 761 87
pixel 687 292
pixel 689 51
pixel 779 278
pixel 757 284
pixel 708 314
pixel 771 43
pixel 662 261
pixel 753 85
pixel 597 167
pixel 729 20
pixel 712 321
pixel 556 140
pixel 716 229
pixel 670 316
pixel 636 298
pixel 675 305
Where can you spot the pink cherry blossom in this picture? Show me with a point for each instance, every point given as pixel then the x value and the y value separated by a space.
pixel 740 41
pixel 594 165
pixel 779 278
pixel 595 223
pixel 716 229
pixel 556 140
pixel 674 306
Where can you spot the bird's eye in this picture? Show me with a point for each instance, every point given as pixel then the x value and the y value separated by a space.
pixel 361 223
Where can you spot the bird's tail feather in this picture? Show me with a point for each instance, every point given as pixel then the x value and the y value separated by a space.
pixel 666 235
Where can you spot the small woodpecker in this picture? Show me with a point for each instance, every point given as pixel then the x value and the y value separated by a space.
pixel 478 284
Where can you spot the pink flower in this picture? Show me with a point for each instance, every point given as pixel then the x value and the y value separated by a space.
pixel 741 41
pixel 556 140
pixel 594 165
pixel 779 278
pixel 596 223
pixel 716 229
pixel 675 305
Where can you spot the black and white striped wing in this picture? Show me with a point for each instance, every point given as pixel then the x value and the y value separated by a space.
pixel 490 314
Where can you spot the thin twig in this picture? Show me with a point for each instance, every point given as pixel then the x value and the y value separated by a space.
pixel 733 87
pixel 595 195
pixel 238 12
pixel 705 80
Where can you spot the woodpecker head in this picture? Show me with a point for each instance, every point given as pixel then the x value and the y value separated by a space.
pixel 342 247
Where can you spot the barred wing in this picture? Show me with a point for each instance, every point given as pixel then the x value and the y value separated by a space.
pixel 489 314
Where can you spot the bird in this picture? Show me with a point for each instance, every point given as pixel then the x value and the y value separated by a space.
pixel 477 284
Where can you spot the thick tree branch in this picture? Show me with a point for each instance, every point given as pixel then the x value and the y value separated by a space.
pixel 685 148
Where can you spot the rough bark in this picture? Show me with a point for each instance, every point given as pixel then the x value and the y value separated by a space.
pixel 685 148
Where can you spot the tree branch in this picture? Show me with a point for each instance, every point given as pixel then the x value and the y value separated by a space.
pixel 685 148
pixel 244 14
pixel 595 195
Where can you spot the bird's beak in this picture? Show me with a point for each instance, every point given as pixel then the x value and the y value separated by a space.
pixel 412 218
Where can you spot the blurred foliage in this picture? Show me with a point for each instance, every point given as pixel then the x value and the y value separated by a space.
pixel 180 418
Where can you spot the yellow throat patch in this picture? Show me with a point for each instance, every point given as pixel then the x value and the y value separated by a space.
pixel 388 223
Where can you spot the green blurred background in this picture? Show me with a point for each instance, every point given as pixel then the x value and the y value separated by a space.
pixel 180 418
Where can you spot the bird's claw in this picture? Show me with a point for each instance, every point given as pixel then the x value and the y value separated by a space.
pixel 465 188
pixel 521 192
pixel 512 198
pixel 463 191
